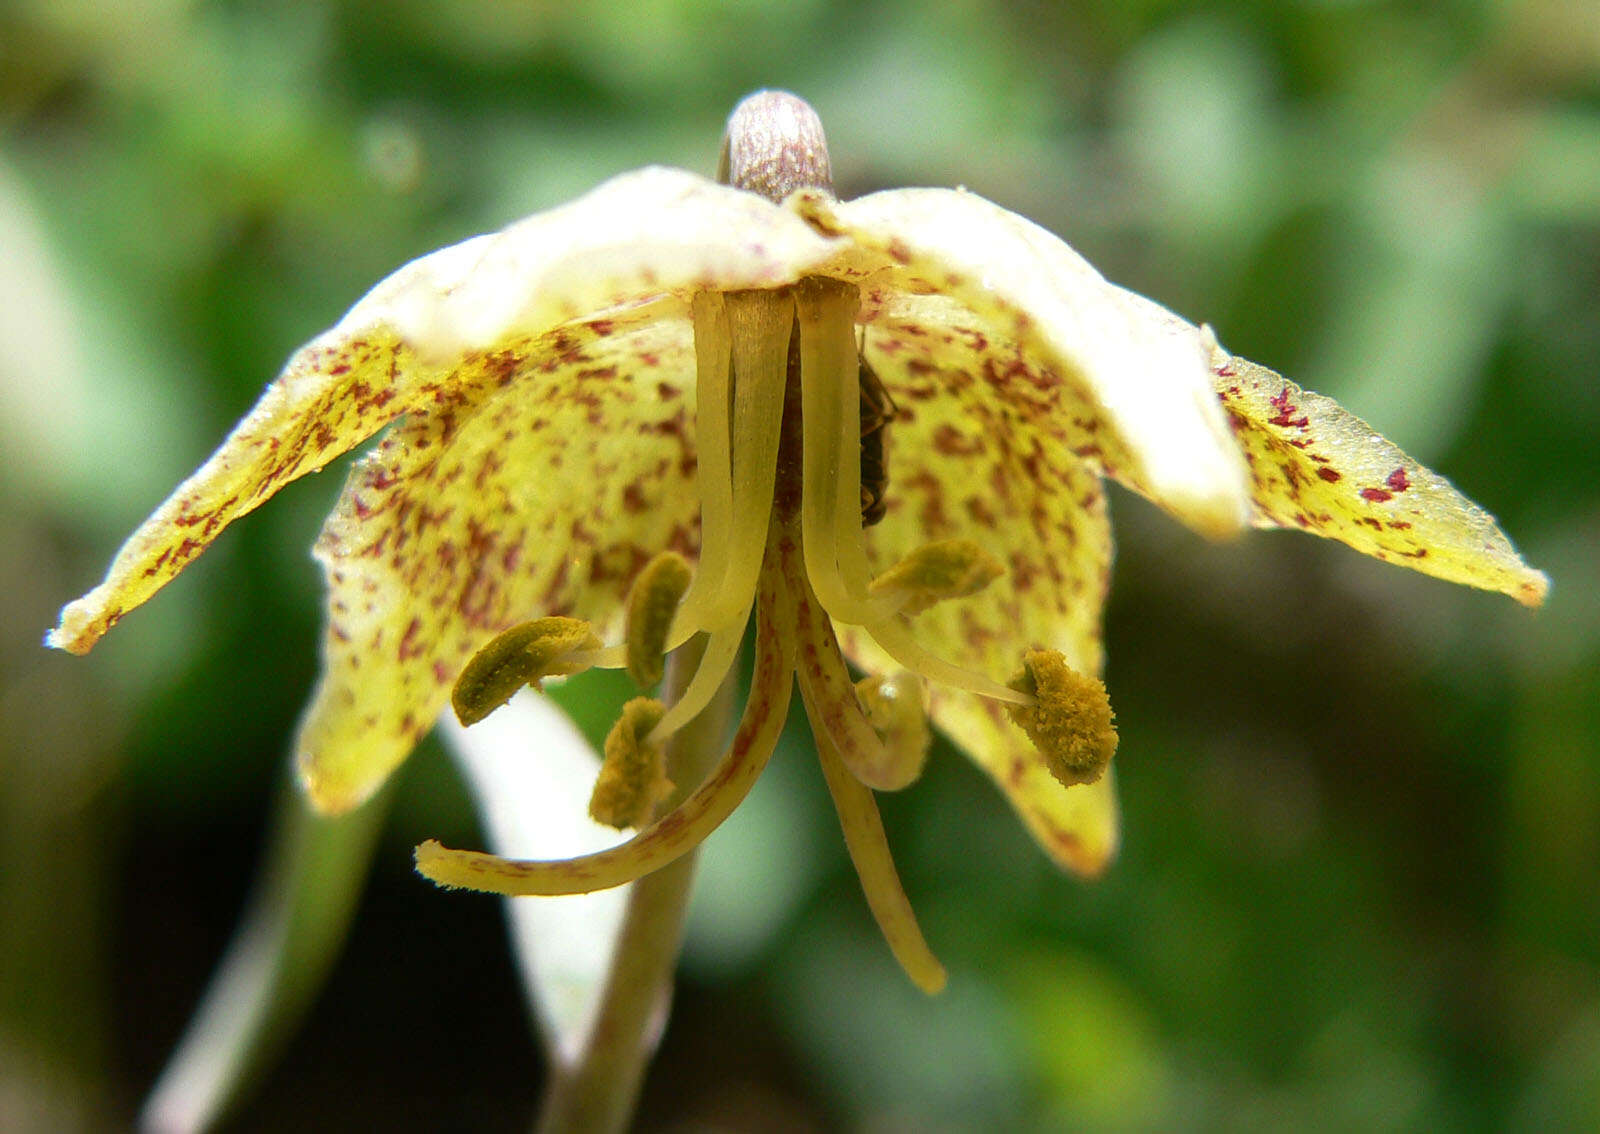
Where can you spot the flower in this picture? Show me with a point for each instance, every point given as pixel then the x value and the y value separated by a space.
pixel 674 371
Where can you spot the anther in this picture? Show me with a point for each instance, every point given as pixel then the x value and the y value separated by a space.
pixel 952 568
pixel 652 603
pixel 633 778
pixel 522 655
pixel 897 709
pixel 1070 721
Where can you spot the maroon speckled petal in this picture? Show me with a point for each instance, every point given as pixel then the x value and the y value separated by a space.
pixel 542 491
pixel 982 448
pixel 422 337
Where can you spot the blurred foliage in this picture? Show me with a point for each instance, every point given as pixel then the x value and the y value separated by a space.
pixel 1363 810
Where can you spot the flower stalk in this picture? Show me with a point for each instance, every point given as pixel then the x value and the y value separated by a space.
pixel 599 1089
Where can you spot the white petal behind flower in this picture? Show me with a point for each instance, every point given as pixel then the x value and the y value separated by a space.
pixel 530 772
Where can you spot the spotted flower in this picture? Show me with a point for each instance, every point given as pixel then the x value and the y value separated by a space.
pixel 880 428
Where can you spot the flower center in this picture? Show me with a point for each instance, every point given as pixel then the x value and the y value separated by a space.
pixel 781 416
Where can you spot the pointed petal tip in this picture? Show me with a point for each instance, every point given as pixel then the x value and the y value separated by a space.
pixel 1080 830
pixel 1532 590
pixel 330 795
pixel 1088 859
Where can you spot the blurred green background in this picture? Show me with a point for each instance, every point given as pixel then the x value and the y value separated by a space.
pixel 1359 887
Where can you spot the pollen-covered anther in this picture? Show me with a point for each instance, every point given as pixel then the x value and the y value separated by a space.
pixel 1070 721
pixel 952 568
pixel 523 655
pixel 652 603
pixel 897 708
pixel 633 778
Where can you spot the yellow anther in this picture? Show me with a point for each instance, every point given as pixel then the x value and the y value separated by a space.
pixel 1070 719
pixel 633 778
pixel 522 655
pixel 896 707
pixel 952 568
pixel 652 603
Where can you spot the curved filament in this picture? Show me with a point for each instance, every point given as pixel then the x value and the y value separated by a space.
pixel 831 414
pixel 895 639
pixel 760 323
pixel 721 651
pixel 680 830
pixel 713 352
pixel 830 695
pixel 869 851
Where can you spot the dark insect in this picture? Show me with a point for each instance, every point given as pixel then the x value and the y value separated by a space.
pixel 877 411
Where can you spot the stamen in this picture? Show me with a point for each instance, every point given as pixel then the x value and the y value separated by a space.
pixel 633 778
pixel 713 350
pixel 680 830
pixel 953 568
pixel 830 696
pixel 830 512
pixel 760 323
pixel 1070 721
pixel 897 707
pixel 722 650
pixel 522 655
pixel 652 603
pixel 894 638
pixel 869 851
pixel 737 501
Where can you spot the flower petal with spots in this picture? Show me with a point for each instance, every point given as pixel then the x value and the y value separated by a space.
pixel 1135 376
pixel 1316 466
pixel 992 461
pixel 541 492
pixel 616 380
pixel 427 333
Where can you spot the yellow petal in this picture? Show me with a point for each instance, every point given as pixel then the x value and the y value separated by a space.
pixel 1128 377
pixel 335 393
pixel 652 231
pixel 545 495
pixel 966 461
pixel 1315 466
pixel 431 329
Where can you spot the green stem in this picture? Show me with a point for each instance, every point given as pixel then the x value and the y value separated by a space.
pixel 597 1091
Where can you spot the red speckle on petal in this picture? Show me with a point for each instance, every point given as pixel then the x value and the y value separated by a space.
pixel 1397 480
pixel 1286 409
pixel 1332 476
pixel 633 499
pixel 1376 495
pixel 950 441
pixel 408 641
